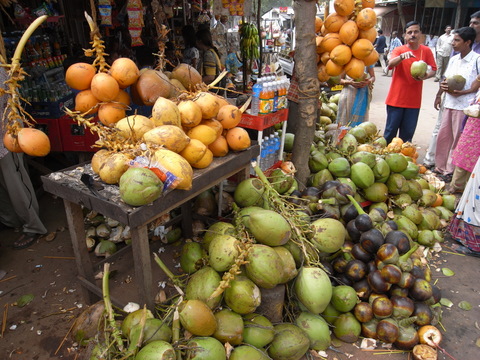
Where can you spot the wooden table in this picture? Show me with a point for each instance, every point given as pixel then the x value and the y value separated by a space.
pixel 67 185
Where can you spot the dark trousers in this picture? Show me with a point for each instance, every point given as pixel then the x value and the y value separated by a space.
pixel 402 121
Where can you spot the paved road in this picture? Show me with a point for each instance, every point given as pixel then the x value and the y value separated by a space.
pixel 428 114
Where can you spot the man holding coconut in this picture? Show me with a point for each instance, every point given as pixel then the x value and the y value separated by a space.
pixel 405 95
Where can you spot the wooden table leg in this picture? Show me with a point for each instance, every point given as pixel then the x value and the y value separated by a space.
pixel 143 266
pixel 76 228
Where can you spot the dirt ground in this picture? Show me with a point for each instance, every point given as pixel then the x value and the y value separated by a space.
pixel 47 270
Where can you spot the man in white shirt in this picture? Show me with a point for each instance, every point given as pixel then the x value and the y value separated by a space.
pixel 467 64
pixel 443 50
pixel 394 43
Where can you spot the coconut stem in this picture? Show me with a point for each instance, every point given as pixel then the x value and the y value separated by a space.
pixel 23 40
pixel 218 79
pixel 407 255
pixel 245 106
pixel 167 271
pixel 109 307
pixel 356 204
pixel 176 330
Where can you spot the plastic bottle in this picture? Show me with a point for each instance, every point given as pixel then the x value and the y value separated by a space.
pixel 277 147
pixel 272 159
pixel 265 99
pixel 276 88
pixel 264 153
pixel 256 91
pixel 282 94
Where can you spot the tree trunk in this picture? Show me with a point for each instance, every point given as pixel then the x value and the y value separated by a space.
pixel 400 14
pixel 309 90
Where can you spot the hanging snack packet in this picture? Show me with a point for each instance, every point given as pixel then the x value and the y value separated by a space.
pixel 135 21
pixel 105 10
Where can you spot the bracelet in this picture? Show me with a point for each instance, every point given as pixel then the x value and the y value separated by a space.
pixel 477 78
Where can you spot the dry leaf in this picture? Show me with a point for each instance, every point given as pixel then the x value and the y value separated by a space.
pixel 447 272
pixel 465 305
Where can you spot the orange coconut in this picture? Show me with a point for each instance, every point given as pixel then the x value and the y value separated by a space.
pixel 125 71
pixel 104 87
pixel 80 75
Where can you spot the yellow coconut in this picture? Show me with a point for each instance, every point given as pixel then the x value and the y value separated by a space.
pixel 204 133
pixel 344 7
pixel 229 116
pixel 330 41
pixel 322 73
pixel 341 55
pixel 333 69
pixel 190 113
pixel 334 22
pixel 169 136
pixel 194 151
pixel 362 48
pixel 355 68
pixel 177 165
pixel 209 104
pixel 349 32
pixel 134 126
pixel 187 75
pixel 205 161
pixel 113 167
pixel 371 59
pixel 369 34
pixel 98 159
pixel 165 112
pixel 366 19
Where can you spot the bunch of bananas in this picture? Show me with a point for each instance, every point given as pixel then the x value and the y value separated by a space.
pixel 249 41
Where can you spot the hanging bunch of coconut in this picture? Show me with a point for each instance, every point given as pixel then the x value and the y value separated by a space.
pixel 345 40
pixel 20 135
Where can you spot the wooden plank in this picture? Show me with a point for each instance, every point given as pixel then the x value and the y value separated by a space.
pixel 76 228
pixel 143 266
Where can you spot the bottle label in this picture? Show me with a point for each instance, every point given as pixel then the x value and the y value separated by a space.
pixel 265 106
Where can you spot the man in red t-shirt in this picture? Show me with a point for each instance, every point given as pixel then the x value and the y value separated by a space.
pixel 405 95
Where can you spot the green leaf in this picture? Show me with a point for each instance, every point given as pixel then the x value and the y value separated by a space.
pixel 25 300
pixel 446 302
pixel 465 305
pixel 447 272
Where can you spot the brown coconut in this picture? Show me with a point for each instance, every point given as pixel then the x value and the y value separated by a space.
pixel 187 75
pixel 150 86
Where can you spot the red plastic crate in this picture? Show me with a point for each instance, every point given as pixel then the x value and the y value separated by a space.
pixel 262 122
pixel 76 137
pixel 52 129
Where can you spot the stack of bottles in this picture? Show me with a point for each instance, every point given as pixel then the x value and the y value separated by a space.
pixel 269 152
pixel 269 95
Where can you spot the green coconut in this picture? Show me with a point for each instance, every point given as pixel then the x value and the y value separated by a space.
pixel 348 145
pixel 296 252
pixel 330 314
pixel 455 82
pixel 359 133
pixel 369 127
pixel 156 350
pixel 245 352
pixel 264 266
pixel 205 348
pixel 380 142
pixel 222 252
pixel 349 182
pixel 411 171
pixel 397 184
pixel 449 201
pixel 197 318
pixel 202 284
pixel 413 213
pixel 268 227
pixel 133 319
pixel 320 178
pixel 402 200
pixel 289 140
pixel 377 192
pixel 316 329
pixel 364 157
pixel 282 181
pixel 220 227
pixel 154 329
pixel 344 298
pixel 339 167
pixel 418 69
pixel 317 161
pixel 362 175
pixel 406 225
pixel 426 238
pixel 414 189
pixel 347 328
pixel 249 192
pixel 140 186
pixel 258 330
pixel 381 170
pixel 288 264
pixel 190 257
pixel 243 296
pixel 397 162
pixel 229 327
pixel 290 343
pixel 313 289
pixel 428 198
pixel 328 234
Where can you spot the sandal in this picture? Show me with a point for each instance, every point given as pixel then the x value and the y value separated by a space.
pixel 464 250
pixel 25 240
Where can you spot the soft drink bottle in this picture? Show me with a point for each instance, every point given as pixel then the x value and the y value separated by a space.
pixel 256 91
